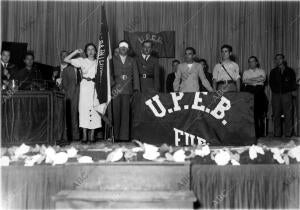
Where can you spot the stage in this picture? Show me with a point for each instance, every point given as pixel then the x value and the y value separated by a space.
pixel 252 184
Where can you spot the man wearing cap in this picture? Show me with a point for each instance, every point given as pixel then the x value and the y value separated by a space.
pixel 127 82
pixel 148 69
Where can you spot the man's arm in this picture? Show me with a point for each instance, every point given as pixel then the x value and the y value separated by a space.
pixel 238 84
pixel 156 75
pixel 203 79
pixel 176 82
pixel 215 74
pixel 136 78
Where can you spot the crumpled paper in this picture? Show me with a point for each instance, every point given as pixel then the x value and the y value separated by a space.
pixel 222 157
pixel 4 161
pixel 295 153
pixel 278 155
pixel 179 155
pixel 151 152
pixel 202 151
pixel 50 154
pixel 254 150
pixel 21 150
pixel 72 152
pixel 60 158
pixel 85 159
pixel 31 160
pixel 115 155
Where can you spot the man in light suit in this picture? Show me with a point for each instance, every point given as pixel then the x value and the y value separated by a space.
pixel 148 69
pixel 189 73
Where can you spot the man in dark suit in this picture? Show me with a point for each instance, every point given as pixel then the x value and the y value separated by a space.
pixel 282 82
pixel 126 77
pixel 148 68
pixel 69 82
pixel 171 76
pixel 208 75
pixel 29 78
pixel 7 68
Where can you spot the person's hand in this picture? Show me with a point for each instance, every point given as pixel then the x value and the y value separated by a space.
pixel 79 51
pixel 5 72
pixel 185 76
pixel 58 81
pixel 294 93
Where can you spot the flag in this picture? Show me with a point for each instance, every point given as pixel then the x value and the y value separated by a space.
pixel 102 78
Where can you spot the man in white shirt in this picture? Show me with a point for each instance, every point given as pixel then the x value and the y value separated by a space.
pixel 226 74
pixel 253 80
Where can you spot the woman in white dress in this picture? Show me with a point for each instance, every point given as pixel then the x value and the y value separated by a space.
pixel 89 118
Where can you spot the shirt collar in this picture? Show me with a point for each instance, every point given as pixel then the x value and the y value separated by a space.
pixel 3 63
pixel 63 65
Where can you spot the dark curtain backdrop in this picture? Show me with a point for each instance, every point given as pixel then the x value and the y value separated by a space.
pixel 252 28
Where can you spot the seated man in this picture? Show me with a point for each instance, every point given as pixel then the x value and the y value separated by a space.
pixel 189 73
pixel 29 78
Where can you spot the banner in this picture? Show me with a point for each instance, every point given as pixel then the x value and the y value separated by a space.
pixel 163 42
pixel 194 118
pixel 102 77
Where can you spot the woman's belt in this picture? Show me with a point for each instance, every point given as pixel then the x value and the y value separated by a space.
pixel 89 79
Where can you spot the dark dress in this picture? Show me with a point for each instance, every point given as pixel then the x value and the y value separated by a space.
pixel 149 73
pixel 126 79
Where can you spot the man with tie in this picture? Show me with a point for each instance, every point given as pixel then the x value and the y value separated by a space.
pixel 69 82
pixel 126 77
pixel 148 68
pixel 188 74
pixel 7 68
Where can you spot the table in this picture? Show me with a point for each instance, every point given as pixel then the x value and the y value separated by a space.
pixel 33 117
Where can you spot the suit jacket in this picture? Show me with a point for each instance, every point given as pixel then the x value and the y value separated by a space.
pixel 282 83
pixel 11 68
pixel 169 82
pixel 150 68
pixel 131 81
pixel 189 77
pixel 70 83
